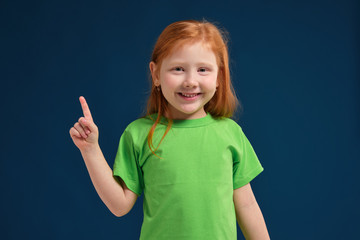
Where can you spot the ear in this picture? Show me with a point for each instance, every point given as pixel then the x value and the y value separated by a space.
pixel 153 67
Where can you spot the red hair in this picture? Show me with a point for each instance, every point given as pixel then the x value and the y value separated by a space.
pixel 224 102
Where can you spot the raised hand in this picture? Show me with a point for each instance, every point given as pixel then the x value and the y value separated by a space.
pixel 85 133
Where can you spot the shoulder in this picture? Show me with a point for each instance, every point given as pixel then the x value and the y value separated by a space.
pixel 228 123
pixel 139 124
pixel 138 129
pixel 229 129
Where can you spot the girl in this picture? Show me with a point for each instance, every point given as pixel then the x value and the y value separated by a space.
pixel 193 163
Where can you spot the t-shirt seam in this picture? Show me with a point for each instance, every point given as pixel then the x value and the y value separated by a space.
pixel 196 126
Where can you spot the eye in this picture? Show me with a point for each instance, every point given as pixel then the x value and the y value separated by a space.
pixel 203 70
pixel 178 69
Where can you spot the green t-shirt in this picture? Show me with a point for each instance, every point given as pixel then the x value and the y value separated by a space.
pixel 188 192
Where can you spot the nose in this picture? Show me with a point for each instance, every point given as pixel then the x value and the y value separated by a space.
pixel 190 80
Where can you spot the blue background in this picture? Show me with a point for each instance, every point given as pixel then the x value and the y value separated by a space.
pixel 295 67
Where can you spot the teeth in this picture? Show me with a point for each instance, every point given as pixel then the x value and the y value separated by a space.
pixel 189 95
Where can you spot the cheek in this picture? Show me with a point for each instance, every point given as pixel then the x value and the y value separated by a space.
pixel 169 82
pixel 211 83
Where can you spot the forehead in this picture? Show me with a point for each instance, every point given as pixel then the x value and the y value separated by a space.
pixel 188 44
pixel 192 51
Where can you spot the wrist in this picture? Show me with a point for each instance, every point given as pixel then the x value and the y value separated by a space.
pixel 90 149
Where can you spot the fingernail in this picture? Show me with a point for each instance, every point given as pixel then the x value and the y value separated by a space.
pixel 87 132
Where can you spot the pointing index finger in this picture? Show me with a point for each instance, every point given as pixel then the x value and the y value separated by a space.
pixel 85 108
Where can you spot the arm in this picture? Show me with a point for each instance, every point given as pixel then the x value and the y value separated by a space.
pixel 116 196
pixel 248 214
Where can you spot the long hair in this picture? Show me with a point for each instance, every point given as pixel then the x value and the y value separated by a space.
pixel 224 101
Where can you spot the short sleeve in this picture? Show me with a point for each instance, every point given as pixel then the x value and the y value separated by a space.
pixel 126 164
pixel 246 165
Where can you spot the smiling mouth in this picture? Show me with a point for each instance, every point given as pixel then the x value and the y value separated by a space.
pixel 189 95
